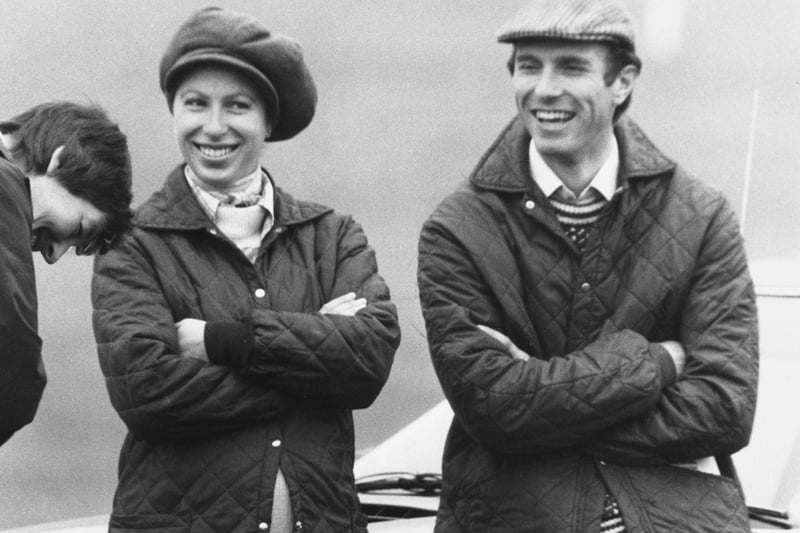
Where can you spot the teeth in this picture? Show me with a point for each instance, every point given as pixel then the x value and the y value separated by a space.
pixel 553 116
pixel 214 152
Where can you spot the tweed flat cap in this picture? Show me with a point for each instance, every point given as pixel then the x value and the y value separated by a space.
pixel 273 62
pixel 578 20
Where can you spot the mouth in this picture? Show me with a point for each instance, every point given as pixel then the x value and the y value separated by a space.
pixel 215 152
pixel 553 116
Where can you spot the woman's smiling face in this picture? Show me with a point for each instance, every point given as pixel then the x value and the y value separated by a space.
pixel 220 126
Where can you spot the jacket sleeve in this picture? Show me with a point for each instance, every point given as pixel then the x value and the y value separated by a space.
pixel 22 377
pixel 709 410
pixel 157 393
pixel 511 406
pixel 331 360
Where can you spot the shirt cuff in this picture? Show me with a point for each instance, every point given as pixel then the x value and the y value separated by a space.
pixel 667 365
pixel 229 343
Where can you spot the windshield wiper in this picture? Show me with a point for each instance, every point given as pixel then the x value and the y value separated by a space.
pixel 772 517
pixel 425 484
pixel 429 484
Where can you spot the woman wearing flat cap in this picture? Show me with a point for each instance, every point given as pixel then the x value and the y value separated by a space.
pixel 238 327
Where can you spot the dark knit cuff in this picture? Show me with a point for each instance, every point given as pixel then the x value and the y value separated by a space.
pixel 229 343
pixel 664 360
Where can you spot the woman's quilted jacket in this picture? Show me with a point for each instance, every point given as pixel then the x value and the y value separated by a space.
pixel 535 445
pixel 206 440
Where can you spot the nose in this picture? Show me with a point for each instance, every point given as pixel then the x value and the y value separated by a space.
pixel 215 123
pixel 53 251
pixel 548 84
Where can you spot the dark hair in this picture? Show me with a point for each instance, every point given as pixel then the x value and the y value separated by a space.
pixel 619 55
pixel 94 165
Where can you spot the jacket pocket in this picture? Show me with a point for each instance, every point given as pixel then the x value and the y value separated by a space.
pixel 671 498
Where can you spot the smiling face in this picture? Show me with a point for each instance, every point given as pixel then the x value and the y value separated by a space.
pixel 220 126
pixel 60 219
pixel 564 100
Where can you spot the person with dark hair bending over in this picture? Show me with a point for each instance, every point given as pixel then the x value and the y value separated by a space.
pixel 65 182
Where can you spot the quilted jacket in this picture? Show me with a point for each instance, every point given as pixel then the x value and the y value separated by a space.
pixel 535 445
pixel 22 377
pixel 206 440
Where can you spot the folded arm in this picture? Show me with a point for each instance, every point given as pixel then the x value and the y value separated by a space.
pixel 709 410
pixel 159 393
pixel 513 405
pixel 338 355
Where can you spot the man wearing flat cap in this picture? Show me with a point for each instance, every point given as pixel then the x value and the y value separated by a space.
pixel 589 310
pixel 238 327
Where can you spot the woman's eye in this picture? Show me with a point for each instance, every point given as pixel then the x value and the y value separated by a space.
pixel 241 105
pixel 193 102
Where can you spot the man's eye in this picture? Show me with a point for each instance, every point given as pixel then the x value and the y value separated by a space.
pixel 574 67
pixel 88 247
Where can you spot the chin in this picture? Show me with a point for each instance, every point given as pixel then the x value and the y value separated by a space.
pixel 551 147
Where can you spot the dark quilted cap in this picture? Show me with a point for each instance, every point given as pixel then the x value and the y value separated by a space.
pixel 273 62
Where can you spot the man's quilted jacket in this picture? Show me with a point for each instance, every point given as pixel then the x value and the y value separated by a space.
pixel 535 445
pixel 206 440
pixel 22 376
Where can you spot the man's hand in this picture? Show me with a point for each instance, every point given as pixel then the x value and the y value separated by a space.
pixel 346 305
pixel 678 355
pixel 510 347
pixel 190 338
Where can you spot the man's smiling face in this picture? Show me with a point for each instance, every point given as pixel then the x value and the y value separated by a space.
pixel 563 98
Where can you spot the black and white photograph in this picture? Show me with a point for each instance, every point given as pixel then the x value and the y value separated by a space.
pixel 399 266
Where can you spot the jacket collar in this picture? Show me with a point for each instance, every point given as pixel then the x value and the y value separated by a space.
pixel 505 166
pixel 175 207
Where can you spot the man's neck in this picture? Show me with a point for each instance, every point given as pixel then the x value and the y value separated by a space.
pixel 577 172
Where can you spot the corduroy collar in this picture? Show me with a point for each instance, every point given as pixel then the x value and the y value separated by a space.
pixel 505 166
pixel 175 207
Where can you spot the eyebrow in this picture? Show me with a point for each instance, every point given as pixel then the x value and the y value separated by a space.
pixel 525 56
pixel 238 93
pixel 571 59
pixel 560 59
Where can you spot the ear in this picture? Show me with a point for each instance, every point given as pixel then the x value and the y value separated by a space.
pixel 9 141
pixel 623 85
pixel 55 160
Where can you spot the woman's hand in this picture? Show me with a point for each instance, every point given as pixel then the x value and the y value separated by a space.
pixel 346 305
pixel 191 338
